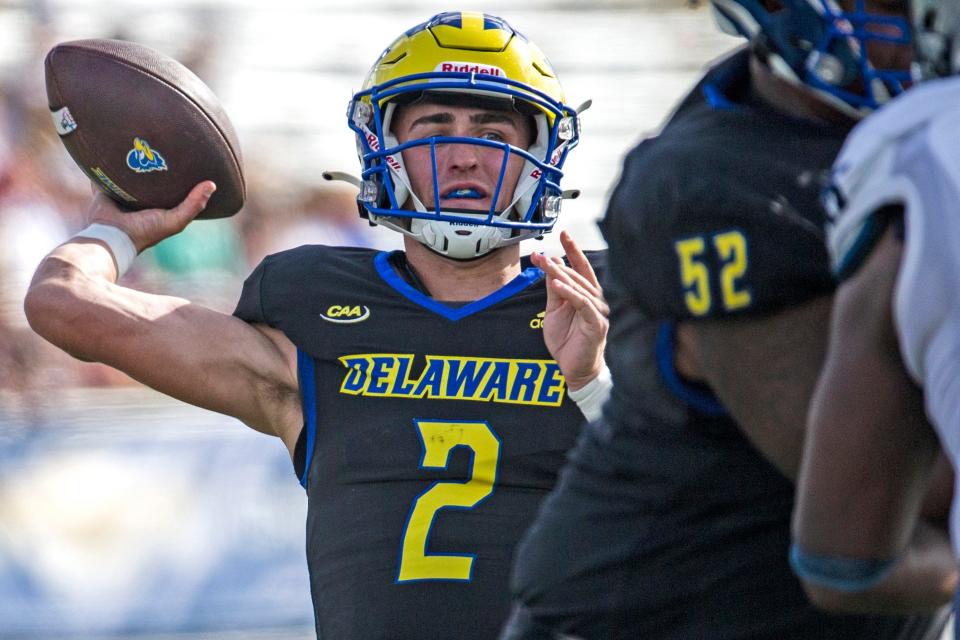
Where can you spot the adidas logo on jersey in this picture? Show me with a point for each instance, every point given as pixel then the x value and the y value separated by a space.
pixel 537 322
pixel 346 314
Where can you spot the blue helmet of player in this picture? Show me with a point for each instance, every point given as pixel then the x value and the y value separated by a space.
pixel 936 25
pixel 824 44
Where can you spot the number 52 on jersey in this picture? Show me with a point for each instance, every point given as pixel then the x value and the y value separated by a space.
pixel 729 249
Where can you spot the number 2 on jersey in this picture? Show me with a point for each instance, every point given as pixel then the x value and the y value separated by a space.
pixel 439 439
pixel 731 248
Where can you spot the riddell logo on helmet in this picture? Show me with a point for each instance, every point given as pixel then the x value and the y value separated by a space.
pixel 470 67
pixel 375 145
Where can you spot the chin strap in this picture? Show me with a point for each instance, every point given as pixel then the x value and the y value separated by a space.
pixel 444 238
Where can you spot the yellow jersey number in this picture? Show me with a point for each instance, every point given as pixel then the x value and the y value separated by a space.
pixel 439 439
pixel 731 248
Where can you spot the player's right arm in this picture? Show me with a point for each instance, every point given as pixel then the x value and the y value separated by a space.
pixel 867 460
pixel 203 357
pixel 777 358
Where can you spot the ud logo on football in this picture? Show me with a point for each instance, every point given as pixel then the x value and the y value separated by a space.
pixel 346 314
pixel 143 159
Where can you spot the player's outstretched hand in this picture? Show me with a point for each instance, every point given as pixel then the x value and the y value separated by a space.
pixel 575 323
pixel 149 226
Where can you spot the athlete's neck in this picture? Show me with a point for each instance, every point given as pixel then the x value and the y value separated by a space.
pixel 462 280
pixel 793 100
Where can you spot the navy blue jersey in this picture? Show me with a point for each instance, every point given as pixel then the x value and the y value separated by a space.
pixel 671 524
pixel 432 433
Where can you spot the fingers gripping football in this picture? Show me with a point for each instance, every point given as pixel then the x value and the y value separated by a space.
pixel 149 226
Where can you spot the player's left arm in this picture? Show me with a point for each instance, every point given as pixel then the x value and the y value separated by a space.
pixel 575 322
pixel 867 463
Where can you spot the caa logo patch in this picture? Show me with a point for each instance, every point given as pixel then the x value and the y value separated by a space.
pixel 143 159
pixel 346 314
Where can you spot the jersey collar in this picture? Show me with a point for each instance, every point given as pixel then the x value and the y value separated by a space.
pixel 527 277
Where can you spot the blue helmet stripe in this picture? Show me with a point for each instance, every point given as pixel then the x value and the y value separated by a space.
pixel 493 22
pixel 417 29
pixel 450 19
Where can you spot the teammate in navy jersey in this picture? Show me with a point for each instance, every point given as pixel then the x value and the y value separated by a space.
pixel 892 362
pixel 672 519
pixel 424 395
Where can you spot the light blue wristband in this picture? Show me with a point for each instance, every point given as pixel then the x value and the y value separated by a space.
pixel 840 573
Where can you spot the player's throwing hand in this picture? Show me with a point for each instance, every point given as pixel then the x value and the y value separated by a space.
pixel 149 226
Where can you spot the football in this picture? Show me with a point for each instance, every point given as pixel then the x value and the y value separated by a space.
pixel 143 127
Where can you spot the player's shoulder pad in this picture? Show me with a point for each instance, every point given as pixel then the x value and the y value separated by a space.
pixel 280 279
pixel 699 231
pixel 884 163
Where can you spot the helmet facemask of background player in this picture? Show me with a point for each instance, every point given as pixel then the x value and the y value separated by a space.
pixel 470 61
pixel 827 45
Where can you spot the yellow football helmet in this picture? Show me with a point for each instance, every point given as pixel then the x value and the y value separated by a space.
pixel 473 54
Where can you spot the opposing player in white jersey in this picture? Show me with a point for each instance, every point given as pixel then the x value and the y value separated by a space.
pixel 889 394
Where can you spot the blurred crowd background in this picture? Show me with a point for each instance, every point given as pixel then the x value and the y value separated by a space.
pixel 113 517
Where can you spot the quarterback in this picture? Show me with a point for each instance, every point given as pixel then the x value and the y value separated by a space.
pixel 427 396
